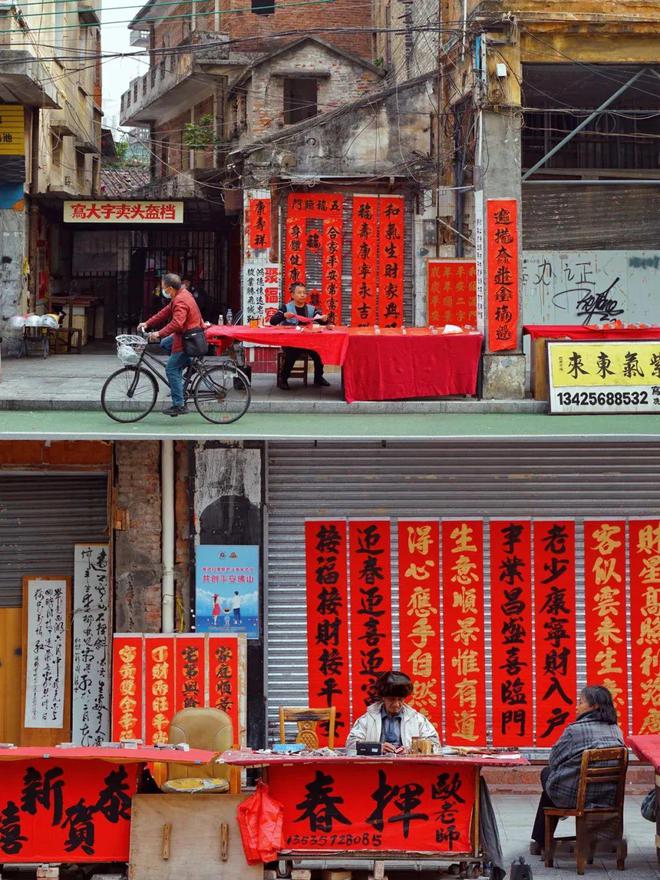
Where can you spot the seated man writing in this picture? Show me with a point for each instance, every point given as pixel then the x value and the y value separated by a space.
pixel 297 311
pixel 389 720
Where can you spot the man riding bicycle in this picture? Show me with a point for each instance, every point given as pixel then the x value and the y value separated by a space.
pixel 181 314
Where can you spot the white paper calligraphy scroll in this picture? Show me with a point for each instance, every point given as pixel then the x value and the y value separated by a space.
pixel 90 688
pixel 46 603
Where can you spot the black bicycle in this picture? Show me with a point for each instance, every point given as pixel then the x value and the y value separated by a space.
pixel 221 392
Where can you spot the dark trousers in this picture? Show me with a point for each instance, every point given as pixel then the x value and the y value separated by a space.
pixel 291 355
pixel 538 832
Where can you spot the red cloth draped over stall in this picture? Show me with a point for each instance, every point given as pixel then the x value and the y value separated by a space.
pixel 644 545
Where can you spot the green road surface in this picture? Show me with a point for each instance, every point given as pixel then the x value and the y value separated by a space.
pixel 54 424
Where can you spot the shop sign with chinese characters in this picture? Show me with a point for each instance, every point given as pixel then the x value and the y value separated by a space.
pixel 123 212
pixel 261 290
pixel 12 131
pixel 604 377
pixel 65 811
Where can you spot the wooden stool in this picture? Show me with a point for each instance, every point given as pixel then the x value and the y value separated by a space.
pixel 298 372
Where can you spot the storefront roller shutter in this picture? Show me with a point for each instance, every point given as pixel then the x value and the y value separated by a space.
pixel 41 518
pixel 407 479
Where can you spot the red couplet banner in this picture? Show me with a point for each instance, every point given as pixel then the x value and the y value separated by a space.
pixel 159 697
pixel 365 250
pixel 371 608
pixel 554 594
pixel 463 604
pixel 127 693
pixel 644 545
pixel 419 619
pixel 502 282
pixel 511 615
pixel 332 263
pixel 259 223
pixel 391 213
pixel 605 610
pixel 326 548
pixel 383 806
pixel 295 247
pixel 452 292
pixel 223 678
pixel 65 811
pixel 190 679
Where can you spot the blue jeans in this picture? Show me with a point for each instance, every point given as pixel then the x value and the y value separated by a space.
pixel 176 364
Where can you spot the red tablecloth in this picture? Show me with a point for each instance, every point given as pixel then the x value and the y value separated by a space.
pixel 389 365
pixel 647 748
pixel 248 758
pixel 562 331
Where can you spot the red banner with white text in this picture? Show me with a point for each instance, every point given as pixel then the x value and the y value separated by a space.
pixel 371 608
pixel 502 281
pixel 463 604
pixel 189 672
pixel 644 544
pixel 65 811
pixel 365 252
pixel 127 692
pixel 328 664
pixel 224 688
pixel 419 618
pixel 385 807
pixel 511 639
pixel 554 597
pixel 159 697
pixel 605 610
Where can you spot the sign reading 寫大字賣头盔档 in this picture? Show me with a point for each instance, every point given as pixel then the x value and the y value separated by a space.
pixel 105 211
pixel 227 589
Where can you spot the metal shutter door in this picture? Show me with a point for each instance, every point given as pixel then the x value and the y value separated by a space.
pixel 41 518
pixel 426 480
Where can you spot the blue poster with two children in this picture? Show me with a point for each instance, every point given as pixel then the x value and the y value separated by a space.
pixel 227 589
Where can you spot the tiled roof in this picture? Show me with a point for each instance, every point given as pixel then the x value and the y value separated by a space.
pixel 119 183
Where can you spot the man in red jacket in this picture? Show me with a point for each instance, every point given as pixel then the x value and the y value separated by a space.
pixel 180 315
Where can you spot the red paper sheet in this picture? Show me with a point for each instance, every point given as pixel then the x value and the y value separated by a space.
pixel 127 693
pixel 644 546
pixel 189 672
pixel 570 331
pixel 223 679
pixel 159 696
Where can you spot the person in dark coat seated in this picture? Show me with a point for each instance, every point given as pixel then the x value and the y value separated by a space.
pixel 594 728
pixel 298 311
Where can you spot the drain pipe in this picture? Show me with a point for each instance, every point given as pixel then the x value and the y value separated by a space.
pixel 167 541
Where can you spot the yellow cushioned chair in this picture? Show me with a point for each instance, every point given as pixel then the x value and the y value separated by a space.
pixel 203 728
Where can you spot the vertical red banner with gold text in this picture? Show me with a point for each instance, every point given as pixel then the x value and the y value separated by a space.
pixel 605 610
pixel 365 249
pixel 326 548
pixel 419 617
pixel 391 240
pixel 127 691
pixel 159 697
pixel 511 616
pixel 554 599
pixel 463 605
pixel 223 665
pixel 502 282
pixel 332 265
pixel 452 292
pixel 259 223
pixel 189 677
pixel 295 245
pixel 371 608
pixel 644 548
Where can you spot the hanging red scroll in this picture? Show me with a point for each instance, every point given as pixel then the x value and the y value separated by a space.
pixel 419 622
pixel 159 697
pixel 463 604
pixel 259 223
pixel 511 615
pixel 332 264
pixel 365 248
pixel 189 672
pixel 326 548
pixel 295 249
pixel 554 595
pixel 127 693
pixel 452 292
pixel 224 678
pixel 502 283
pixel 391 213
pixel 371 608
pixel 644 543
pixel 605 610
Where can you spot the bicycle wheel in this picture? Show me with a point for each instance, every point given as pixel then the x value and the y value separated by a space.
pixel 129 394
pixel 222 394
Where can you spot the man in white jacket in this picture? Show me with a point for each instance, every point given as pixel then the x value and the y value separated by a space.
pixel 390 721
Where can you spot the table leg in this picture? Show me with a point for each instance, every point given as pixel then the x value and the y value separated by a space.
pixel 657 819
pixel 476 842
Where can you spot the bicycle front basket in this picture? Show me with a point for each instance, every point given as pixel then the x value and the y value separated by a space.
pixel 129 348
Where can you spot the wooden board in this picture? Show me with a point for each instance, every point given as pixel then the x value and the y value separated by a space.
pixel 11 704
pixel 189 827
pixel 540 382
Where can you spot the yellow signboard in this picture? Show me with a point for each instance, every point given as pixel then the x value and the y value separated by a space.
pixel 123 212
pixel 12 130
pixel 604 376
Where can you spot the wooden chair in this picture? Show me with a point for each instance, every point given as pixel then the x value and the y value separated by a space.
pixel 307 720
pixel 299 370
pixel 598 766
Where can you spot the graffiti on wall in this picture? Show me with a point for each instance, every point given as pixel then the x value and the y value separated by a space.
pixel 590 287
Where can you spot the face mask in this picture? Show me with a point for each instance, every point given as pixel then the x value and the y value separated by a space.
pixel 165 294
